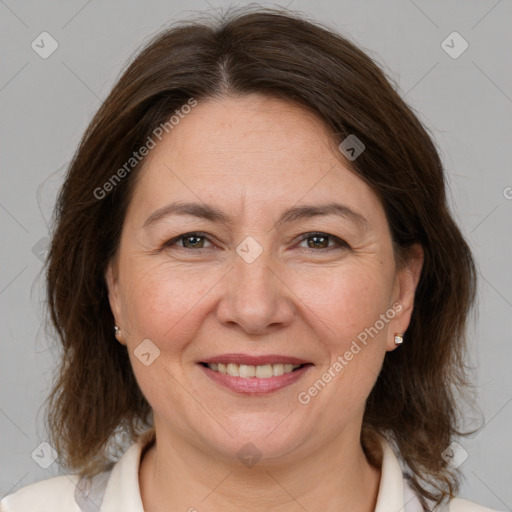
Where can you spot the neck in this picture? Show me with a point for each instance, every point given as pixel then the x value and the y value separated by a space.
pixel 175 475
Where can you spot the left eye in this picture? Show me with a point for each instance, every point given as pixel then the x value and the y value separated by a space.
pixel 321 241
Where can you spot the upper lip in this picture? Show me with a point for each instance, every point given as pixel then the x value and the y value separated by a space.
pixel 254 360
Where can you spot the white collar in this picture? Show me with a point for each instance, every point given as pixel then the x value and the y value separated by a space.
pixel 121 490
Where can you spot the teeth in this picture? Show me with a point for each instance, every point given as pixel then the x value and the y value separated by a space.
pixel 232 369
pixel 264 371
pixel 278 369
pixel 245 371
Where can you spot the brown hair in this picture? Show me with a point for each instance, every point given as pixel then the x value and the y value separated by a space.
pixel 279 54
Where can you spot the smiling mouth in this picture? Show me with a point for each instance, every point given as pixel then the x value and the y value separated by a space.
pixel 264 371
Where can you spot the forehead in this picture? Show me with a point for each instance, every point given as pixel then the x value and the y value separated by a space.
pixel 250 152
pixel 259 131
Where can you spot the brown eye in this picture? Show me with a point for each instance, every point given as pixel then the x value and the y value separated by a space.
pixel 193 242
pixel 321 241
pixel 318 242
pixel 188 241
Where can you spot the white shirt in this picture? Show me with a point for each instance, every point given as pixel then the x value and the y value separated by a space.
pixel 118 490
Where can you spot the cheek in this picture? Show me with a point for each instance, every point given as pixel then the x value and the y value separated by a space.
pixel 347 309
pixel 160 302
pixel 347 300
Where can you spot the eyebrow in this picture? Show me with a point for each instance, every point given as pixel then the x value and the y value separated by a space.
pixel 207 212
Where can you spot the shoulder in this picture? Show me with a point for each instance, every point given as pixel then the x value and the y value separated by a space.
pixel 460 505
pixel 56 494
pixel 116 488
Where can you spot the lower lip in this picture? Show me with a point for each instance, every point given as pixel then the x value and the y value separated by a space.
pixel 254 385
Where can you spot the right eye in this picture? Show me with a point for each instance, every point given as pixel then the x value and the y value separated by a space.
pixel 193 240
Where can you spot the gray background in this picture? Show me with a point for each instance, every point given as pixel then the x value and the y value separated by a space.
pixel 47 103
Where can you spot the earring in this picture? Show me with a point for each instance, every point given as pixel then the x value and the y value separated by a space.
pixel 399 338
pixel 117 332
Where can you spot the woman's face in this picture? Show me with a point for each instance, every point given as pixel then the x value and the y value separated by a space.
pixel 273 279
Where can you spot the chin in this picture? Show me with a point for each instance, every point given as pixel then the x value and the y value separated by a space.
pixel 257 441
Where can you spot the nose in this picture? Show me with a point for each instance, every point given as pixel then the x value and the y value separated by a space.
pixel 255 297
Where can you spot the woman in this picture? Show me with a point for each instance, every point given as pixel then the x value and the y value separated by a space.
pixel 261 223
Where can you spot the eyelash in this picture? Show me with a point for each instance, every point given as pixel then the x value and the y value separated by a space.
pixel 341 243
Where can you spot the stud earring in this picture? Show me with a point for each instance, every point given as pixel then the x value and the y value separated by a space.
pixel 117 332
pixel 399 338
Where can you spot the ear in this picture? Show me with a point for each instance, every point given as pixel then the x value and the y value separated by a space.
pixel 111 279
pixel 406 282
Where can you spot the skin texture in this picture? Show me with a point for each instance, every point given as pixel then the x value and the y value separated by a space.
pixel 253 157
